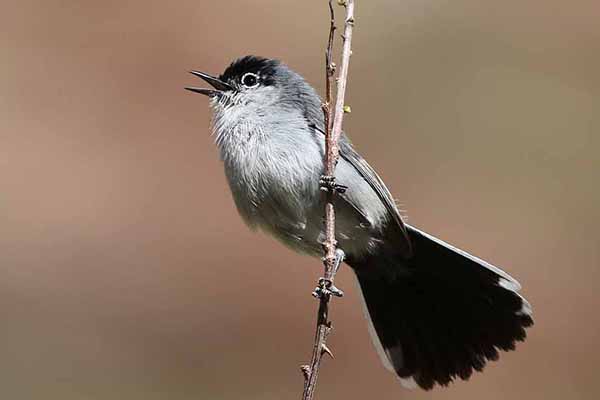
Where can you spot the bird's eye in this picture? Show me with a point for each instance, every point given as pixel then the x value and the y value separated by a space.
pixel 250 80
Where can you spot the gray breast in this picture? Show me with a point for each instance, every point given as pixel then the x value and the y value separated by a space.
pixel 273 163
pixel 273 166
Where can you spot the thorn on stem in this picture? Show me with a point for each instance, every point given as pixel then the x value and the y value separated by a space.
pixel 305 371
pixel 326 350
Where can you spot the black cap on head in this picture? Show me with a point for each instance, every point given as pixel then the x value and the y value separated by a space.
pixel 263 67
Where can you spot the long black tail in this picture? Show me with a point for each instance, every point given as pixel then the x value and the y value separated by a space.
pixel 441 314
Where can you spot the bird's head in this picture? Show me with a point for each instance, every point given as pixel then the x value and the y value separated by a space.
pixel 253 86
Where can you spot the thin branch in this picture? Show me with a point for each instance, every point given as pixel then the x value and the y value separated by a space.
pixel 329 72
pixel 333 130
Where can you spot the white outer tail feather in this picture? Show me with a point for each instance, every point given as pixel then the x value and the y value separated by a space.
pixel 408 383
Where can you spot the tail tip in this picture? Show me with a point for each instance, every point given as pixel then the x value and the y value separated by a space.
pixel 408 382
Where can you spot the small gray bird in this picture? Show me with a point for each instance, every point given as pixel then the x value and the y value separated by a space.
pixel 436 312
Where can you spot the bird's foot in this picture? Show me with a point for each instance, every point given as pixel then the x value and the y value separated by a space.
pixel 327 183
pixel 325 286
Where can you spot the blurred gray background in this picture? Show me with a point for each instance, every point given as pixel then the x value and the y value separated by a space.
pixel 125 272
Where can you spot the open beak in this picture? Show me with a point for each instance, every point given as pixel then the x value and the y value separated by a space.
pixel 218 85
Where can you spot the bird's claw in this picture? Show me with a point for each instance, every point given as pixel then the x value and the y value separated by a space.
pixel 326 288
pixel 327 183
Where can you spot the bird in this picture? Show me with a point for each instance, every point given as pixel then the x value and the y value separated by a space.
pixel 435 313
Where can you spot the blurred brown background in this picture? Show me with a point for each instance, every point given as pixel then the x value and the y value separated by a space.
pixel 125 272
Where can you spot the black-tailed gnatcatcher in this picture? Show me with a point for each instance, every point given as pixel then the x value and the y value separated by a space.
pixel 436 313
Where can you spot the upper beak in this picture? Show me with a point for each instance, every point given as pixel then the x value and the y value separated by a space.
pixel 218 84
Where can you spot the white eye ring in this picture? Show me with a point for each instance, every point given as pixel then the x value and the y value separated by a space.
pixel 250 80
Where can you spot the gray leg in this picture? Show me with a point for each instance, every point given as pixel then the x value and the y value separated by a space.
pixel 326 286
pixel 339 259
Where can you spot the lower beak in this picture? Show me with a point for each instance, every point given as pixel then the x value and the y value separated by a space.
pixel 218 85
